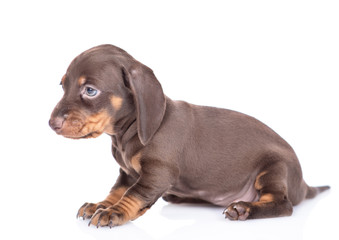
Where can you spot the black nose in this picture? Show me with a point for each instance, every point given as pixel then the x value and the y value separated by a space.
pixel 56 123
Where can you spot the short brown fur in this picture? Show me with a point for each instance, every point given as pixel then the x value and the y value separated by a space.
pixel 172 149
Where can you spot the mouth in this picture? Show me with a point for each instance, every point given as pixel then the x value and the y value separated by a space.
pixel 89 135
pixel 78 125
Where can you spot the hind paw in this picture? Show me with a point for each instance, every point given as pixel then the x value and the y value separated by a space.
pixel 237 211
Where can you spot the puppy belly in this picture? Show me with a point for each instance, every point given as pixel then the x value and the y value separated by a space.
pixel 246 195
pixel 220 197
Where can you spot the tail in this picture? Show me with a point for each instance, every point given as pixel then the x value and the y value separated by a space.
pixel 314 191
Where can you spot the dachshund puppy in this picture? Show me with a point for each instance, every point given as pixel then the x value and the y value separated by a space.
pixel 181 152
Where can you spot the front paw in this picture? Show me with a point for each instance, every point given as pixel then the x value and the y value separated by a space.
pixel 87 210
pixel 108 217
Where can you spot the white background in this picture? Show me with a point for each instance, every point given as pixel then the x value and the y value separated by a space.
pixel 274 60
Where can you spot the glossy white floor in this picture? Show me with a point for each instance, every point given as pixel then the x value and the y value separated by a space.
pixel 43 187
pixel 200 222
pixel 274 60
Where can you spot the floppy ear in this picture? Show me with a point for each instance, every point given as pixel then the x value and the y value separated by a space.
pixel 149 100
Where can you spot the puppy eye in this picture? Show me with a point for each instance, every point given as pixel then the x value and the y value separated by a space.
pixel 91 92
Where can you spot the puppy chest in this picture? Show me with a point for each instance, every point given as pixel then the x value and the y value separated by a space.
pixel 129 162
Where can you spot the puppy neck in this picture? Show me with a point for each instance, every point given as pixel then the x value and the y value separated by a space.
pixel 127 132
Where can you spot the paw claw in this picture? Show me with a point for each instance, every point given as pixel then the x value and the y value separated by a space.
pixel 81 208
pixel 108 217
pixel 110 224
pixel 99 220
pixel 87 210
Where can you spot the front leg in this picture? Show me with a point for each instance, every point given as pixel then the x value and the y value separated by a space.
pixel 155 178
pixel 123 182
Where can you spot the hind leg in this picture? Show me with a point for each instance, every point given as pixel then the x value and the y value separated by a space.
pixel 271 184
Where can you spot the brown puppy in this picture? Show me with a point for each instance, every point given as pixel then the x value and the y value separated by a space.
pixel 173 149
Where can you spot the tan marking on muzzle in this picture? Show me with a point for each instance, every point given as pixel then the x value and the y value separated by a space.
pixel 96 124
pixel 78 125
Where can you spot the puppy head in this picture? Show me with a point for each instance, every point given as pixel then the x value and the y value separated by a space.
pixel 103 88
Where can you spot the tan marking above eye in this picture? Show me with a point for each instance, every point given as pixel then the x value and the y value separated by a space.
pixel 116 102
pixel 81 80
pixel 63 79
